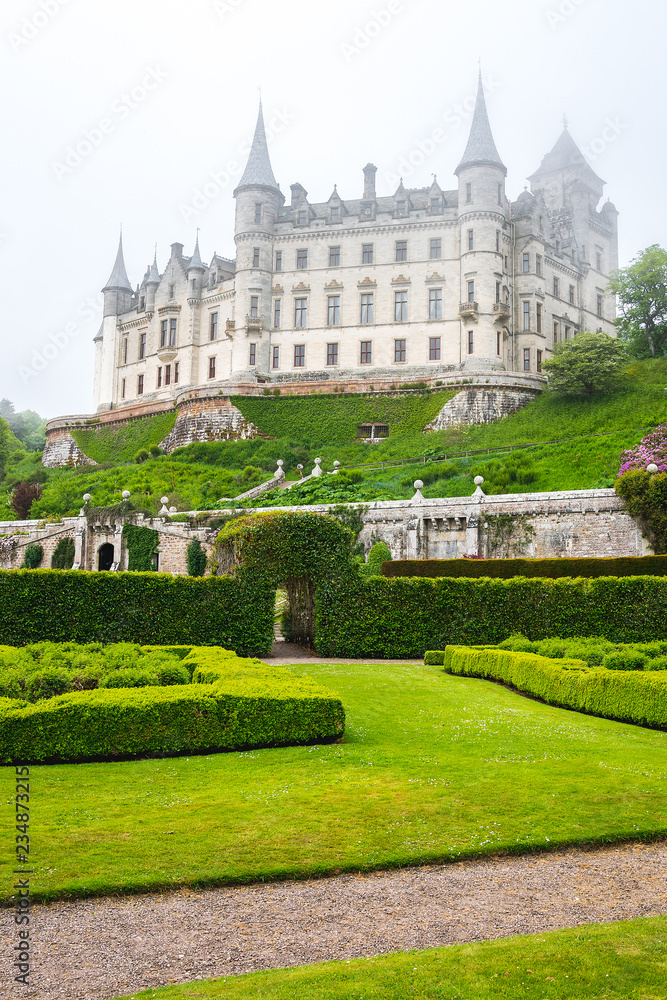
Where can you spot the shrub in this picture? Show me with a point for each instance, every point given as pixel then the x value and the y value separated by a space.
pixel 33 555
pixel 508 568
pixel 379 553
pixel 63 554
pixel 657 663
pixel 48 683
pixel 625 659
pixel 196 558
pixel 22 498
pixel 141 455
pixel 142 544
pixel 129 678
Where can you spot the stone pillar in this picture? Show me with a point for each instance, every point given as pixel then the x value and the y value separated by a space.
pixel 472 535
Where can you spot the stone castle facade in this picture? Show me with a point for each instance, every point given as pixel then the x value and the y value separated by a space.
pixel 424 283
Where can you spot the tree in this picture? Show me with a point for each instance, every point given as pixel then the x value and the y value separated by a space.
pixel 641 288
pixel 590 363
pixel 23 497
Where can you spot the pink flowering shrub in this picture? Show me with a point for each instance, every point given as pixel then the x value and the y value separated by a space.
pixel 652 449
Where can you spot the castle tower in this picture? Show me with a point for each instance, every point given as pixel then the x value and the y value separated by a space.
pixel 258 199
pixel 482 216
pixel 152 282
pixel 117 300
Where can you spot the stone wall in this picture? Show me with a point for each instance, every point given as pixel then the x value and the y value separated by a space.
pixel 207 417
pixel 61 449
pixel 480 406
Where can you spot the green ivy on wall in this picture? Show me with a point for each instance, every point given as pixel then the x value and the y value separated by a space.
pixel 142 545
pixel 63 554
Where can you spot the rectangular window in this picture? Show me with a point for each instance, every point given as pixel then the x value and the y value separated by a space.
pixel 333 310
pixel 400 207
pixel 538 318
pixel 599 305
pixel 140 385
pixel 497 291
pixel 332 354
pixel 556 288
pixel 436 249
pixel 471 291
pixel 334 256
pixel 497 241
pixel 499 340
pixel 471 239
pixel 193 284
pixel 300 313
pixel 299 355
pixel 471 341
pixel 400 306
pixel 213 327
pixel 435 303
pixel 142 346
pixel 211 367
pixel 254 306
pixel 367 253
pixel 122 392
pixel 366 355
pixel 567 333
pixel 500 194
pixel 468 193
pixel 526 315
pixel 399 350
pixel 538 264
pixel 167 375
pixel 401 249
pixel 164 325
pixel 538 363
pixel 171 291
pixel 598 261
pixel 556 332
pixel 335 213
pixel 258 211
pixel 526 359
pixel 176 367
pixel 275 357
pixel 125 351
pixel 302 217
pixel 172 333
pixel 571 295
pixel 255 257
pixel 525 262
pixel 435 205
pixel 252 354
pixel 301 260
pixel 279 260
pixel 367 307
pixel 434 348
pixel 276 314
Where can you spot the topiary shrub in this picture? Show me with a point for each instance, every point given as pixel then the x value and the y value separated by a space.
pixel 48 683
pixel 196 558
pixel 63 554
pixel 33 555
pixel 131 677
pixel 141 455
pixel 626 659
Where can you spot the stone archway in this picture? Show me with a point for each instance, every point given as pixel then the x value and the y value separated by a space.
pixel 105 556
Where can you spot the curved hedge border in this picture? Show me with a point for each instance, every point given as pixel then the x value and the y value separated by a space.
pixel 146 608
pixel 507 568
pixel 639 698
pixel 234 703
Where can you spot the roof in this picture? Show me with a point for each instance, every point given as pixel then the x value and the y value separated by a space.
pixel 154 275
pixel 258 172
pixel 118 277
pixel 481 149
pixel 195 260
pixel 564 154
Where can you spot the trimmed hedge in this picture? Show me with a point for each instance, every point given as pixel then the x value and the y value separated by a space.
pixel 639 698
pixel 242 703
pixel 507 568
pixel 404 618
pixel 146 608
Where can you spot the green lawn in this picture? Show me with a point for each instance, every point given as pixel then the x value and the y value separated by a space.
pixel 626 961
pixel 433 767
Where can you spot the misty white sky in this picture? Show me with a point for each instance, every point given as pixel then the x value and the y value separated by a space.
pixel 175 84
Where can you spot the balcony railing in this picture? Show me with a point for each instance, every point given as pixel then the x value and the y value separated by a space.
pixel 468 309
pixel 255 321
pixel 501 310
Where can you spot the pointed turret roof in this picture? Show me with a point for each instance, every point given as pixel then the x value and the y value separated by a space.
pixel 118 277
pixel 258 172
pixel 565 154
pixel 154 275
pixel 195 260
pixel 481 149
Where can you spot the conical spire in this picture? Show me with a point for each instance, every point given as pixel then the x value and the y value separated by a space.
pixel 566 154
pixel 154 276
pixel 258 172
pixel 118 277
pixel 195 260
pixel 481 149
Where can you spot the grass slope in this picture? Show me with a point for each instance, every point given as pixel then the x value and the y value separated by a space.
pixel 626 960
pixel 120 443
pixel 432 768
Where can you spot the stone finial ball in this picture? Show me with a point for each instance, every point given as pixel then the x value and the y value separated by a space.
pixel 164 499
pixel 652 469
pixel 87 498
pixel 478 480
pixel 418 484
pixel 126 494
pixel 318 461
pixel 336 465
pixel 299 466
pixel 280 463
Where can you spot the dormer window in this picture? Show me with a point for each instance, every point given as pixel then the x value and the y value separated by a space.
pixel 301 217
pixel 400 207
pixel 435 205
pixel 335 213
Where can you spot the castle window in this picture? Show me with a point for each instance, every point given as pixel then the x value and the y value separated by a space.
pixel 497 241
pixel 367 253
pixel 334 256
pixel 499 338
pixel 301 260
pixel 434 349
pixel 275 359
pixel 167 375
pixel 366 355
pixel 335 213
pixel 211 367
pixel 598 261
pixel 255 257
pixel 436 249
pixel 435 206
pixel 538 364
pixel 399 350
pixel 572 295
pixel 333 310
pixel 332 354
pixel 471 341
pixel 526 315
pixel 279 260
pixel 299 355
pixel 367 307
pixel 193 284
pixel 507 266
pixel 122 391
pixel 140 385
pixel 258 211
pixel 556 332
pixel 468 193
pixel 172 333
pixel 400 306
pixel 171 291
pixel 471 291
pixel 599 305
pixel 556 288
pixel 125 350
pixel 526 359
pixel 538 264
pixel 252 354
pixel 142 346
pixel 213 328
pixel 301 217
pixel 525 263
pixel 583 251
pixel 471 239
pixel 435 303
pixel 276 314
pixel 401 249
pixel 300 313
pixel 500 194
pixel 142 302
pixel 254 306
pixel 538 319
pixel 176 367
pixel 159 377
pixel 163 334
pixel 400 207
pixel 497 291
pixel 567 333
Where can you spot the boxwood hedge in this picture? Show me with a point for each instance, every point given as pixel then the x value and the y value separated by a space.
pixel 234 703
pixel 640 698
pixel 507 568
pixel 153 608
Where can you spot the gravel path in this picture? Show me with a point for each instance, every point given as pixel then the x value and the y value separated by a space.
pixel 100 948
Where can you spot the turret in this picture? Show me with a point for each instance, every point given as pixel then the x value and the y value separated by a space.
pixel 152 282
pixel 196 272
pixel 117 291
pixel 117 300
